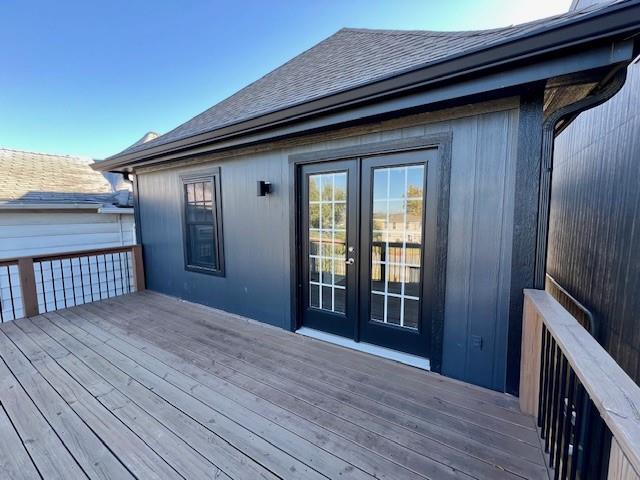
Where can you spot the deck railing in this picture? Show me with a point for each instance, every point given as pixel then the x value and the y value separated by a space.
pixel 43 283
pixel 588 409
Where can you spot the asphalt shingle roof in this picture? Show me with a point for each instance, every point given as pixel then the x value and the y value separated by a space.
pixel 347 59
pixel 29 177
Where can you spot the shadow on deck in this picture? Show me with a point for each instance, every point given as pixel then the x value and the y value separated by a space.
pixel 146 386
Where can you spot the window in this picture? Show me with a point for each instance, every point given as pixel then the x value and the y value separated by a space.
pixel 202 215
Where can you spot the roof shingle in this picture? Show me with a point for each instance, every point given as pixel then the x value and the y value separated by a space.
pixel 347 59
pixel 29 177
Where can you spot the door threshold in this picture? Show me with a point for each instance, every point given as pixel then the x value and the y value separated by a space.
pixel 401 357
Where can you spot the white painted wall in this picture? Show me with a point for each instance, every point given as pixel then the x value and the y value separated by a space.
pixel 34 233
pixel 29 233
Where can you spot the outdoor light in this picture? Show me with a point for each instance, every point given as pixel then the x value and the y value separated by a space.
pixel 264 188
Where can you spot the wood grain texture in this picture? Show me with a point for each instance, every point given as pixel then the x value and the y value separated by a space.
pixel 310 423
pixel 531 357
pixel 28 287
pixel 619 466
pixel 87 448
pixel 138 267
pixel 171 389
pixel 611 390
pixel 15 463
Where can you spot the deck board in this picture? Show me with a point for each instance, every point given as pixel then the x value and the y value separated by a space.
pixel 170 389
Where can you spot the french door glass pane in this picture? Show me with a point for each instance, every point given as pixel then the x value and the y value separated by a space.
pixel 327 241
pixel 396 244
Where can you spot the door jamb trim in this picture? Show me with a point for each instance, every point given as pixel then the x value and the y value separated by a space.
pixel 442 142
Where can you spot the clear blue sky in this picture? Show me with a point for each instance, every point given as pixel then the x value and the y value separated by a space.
pixel 90 78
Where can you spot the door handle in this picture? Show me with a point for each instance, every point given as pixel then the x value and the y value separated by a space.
pixel 349 261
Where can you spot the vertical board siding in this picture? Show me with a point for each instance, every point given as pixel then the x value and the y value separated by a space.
pixel 256 236
pixel 255 231
pixel 595 219
pixel 479 253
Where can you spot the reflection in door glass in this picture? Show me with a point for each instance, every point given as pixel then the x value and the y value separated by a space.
pixel 327 241
pixel 396 245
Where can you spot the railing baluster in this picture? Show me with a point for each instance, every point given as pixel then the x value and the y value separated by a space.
pixel 73 283
pixel 99 281
pixel 93 298
pixel 84 295
pixel 13 299
pixel 113 275
pixel 1 301
pixel 106 274
pixel 567 427
pixel 579 428
pixel 586 438
pixel 53 285
pixel 32 287
pixel 550 395
pixel 44 293
pixel 127 256
pixel 120 272
pixel 543 376
pixel 562 409
pixel 64 288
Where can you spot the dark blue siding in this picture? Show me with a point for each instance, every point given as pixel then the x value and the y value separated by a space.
pixel 594 242
pixel 255 239
pixel 256 236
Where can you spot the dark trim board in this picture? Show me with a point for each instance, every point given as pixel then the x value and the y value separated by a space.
pixel 539 54
pixel 524 224
pixel 440 141
pixel 209 174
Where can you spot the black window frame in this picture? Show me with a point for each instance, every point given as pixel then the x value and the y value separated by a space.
pixel 213 176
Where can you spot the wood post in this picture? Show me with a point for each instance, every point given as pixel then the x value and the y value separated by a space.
pixel 28 287
pixel 138 267
pixel 531 359
pixel 619 466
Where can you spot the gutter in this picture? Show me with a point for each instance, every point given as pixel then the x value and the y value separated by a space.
pixel 550 130
pixel 49 206
pixel 117 210
pixel 615 20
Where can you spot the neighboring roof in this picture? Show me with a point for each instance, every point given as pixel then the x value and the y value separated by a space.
pixel 349 59
pixel 147 137
pixel 30 178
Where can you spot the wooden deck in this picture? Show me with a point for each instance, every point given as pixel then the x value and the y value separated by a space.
pixel 146 386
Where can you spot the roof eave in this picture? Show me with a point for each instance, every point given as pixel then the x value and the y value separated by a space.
pixel 13 205
pixel 617 20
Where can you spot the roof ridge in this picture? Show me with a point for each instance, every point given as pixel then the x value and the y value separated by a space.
pixel 439 33
pixel 79 157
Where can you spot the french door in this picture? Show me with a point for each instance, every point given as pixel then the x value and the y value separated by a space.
pixel 368 237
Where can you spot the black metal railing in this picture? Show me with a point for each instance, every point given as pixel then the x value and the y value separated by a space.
pixel 10 292
pixel 39 284
pixel 587 408
pixel 66 282
pixel 576 438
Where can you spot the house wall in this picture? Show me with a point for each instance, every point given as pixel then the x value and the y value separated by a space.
pixel 256 231
pixel 594 233
pixel 27 233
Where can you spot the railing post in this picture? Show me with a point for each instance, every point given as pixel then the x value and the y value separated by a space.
pixel 138 267
pixel 531 357
pixel 28 287
pixel 619 466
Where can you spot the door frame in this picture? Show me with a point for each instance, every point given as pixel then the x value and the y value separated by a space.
pixel 440 141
